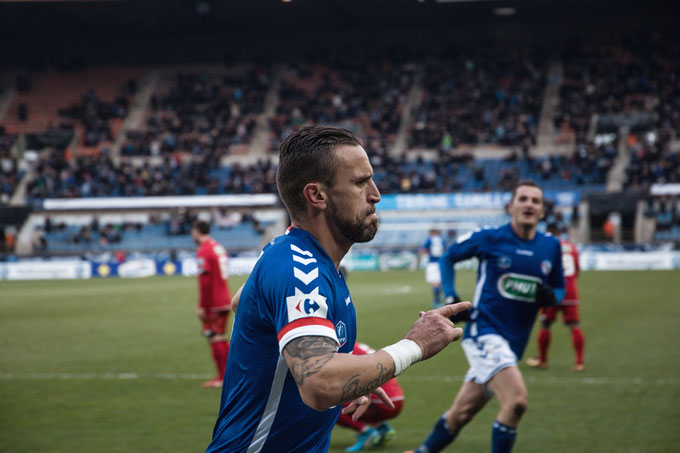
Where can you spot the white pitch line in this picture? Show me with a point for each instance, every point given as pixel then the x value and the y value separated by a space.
pixel 105 376
pixel 585 380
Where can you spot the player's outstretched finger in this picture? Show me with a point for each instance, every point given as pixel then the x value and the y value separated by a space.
pixel 451 309
pixel 384 398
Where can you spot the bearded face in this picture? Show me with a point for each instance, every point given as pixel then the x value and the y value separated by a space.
pixel 351 198
pixel 360 227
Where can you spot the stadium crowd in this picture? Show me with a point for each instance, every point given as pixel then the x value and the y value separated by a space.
pixel 202 114
pixel 366 97
pixel 637 77
pixel 98 176
pixel 96 114
pixel 196 118
pixel 482 99
pixel 665 210
pixel 652 162
pixel 9 172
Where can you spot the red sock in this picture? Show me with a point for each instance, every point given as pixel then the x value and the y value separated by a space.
pixel 543 344
pixel 578 340
pixel 347 422
pixel 220 351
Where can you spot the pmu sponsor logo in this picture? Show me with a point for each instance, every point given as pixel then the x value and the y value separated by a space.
pixel 518 287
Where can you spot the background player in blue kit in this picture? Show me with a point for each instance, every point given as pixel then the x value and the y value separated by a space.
pixel 434 247
pixel 290 368
pixel 520 270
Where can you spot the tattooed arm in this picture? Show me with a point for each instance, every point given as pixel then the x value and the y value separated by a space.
pixel 326 378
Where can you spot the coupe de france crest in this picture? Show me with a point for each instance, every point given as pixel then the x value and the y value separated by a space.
pixel 341 332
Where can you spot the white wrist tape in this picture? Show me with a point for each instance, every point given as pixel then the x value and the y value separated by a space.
pixel 404 354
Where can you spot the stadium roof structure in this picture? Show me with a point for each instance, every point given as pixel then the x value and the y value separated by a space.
pixel 33 32
pixel 30 17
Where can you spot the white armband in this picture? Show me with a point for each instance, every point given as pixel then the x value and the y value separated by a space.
pixel 404 353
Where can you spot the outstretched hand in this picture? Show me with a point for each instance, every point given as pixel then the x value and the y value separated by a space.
pixel 434 331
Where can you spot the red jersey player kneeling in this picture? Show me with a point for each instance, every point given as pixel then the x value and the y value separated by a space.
pixel 568 307
pixel 214 300
pixel 372 427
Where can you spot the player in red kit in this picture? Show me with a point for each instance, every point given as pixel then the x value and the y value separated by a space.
pixel 214 298
pixel 568 307
pixel 372 428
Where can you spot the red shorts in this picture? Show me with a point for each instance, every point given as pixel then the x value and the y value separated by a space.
pixel 569 313
pixel 215 324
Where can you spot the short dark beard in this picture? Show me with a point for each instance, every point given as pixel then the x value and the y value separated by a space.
pixel 353 230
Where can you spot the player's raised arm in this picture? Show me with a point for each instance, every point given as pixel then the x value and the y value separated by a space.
pixel 464 248
pixel 326 378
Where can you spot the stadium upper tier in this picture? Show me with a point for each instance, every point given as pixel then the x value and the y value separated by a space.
pixel 169 131
pixel 365 96
pixel 207 112
pixel 491 98
pixel 640 77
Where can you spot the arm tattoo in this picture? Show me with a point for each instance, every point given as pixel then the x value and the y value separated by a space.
pixel 307 355
pixel 353 389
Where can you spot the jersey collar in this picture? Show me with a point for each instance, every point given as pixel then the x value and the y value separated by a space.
pixel 310 239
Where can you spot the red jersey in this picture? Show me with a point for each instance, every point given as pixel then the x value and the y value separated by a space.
pixel 391 387
pixel 213 273
pixel 571 271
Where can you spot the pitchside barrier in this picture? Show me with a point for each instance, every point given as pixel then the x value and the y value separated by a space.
pixel 364 261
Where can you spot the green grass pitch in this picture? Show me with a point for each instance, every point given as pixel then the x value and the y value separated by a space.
pixel 116 366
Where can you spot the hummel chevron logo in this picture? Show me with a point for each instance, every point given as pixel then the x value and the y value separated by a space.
pixel 348 301
pixel 297 249
pixel 306 278
pixel 304 261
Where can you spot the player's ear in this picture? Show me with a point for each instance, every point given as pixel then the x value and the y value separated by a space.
pixel 316 195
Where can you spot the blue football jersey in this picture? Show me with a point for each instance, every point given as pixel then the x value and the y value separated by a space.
pixel 510 269
pixel 435 247
pixel 293 291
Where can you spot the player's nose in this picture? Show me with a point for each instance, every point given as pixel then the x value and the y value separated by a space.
pixel 373 193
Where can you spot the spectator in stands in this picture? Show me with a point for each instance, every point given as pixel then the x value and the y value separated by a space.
pixel 653 163
pixel 202 114
pixel 38 241
pixel 9 172
pixel 619 79
pixel 483 99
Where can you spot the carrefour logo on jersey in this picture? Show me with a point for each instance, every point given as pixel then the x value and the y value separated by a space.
pixel 302 305
pixel 518 287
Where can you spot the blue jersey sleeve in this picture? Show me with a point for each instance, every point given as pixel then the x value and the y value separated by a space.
pixel 296 294
pixel 465 247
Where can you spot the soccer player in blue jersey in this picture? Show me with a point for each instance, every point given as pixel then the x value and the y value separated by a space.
pixel 520 270
pixel 290 369
pixel 434 247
